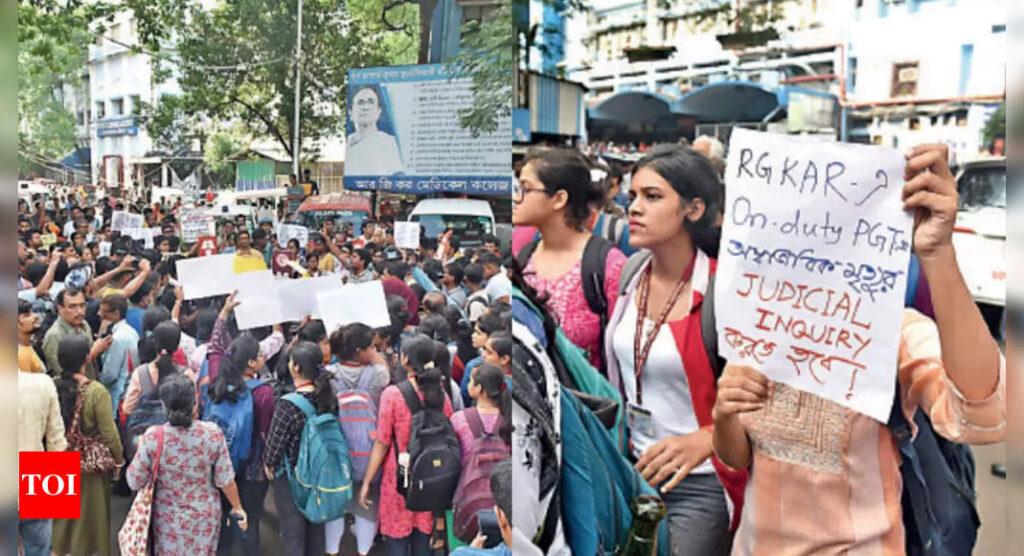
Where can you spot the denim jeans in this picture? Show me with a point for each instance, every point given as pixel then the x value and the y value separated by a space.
pixel 299 537
pixel 35 536
pixel 698 517
pixel 416 544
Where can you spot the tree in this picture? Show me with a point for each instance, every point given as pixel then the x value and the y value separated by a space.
pixel 235 62
pixel 399 48
pixel 485 56
pixel 995 127
pixel 216 153
pixel 426 13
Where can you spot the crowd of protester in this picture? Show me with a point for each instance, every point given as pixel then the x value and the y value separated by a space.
pixel 168 393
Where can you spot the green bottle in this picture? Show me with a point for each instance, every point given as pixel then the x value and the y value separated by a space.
pixel 642 538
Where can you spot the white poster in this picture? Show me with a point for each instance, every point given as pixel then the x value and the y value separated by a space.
pixel 122 220
pixel 206 276
pixel 105 248
pixel 195 223
pixel 813 265
pixel 298 297
pixel 144 234
pixel 259 303
pixel 354 303
pixel 407 235
pixel 287 232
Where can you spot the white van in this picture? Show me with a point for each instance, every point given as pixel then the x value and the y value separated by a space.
pixel 470 218
pixel 980 233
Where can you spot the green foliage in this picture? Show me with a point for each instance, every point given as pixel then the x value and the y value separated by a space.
pixel 236 65
pixel 995 126
pixel 398 47
pixel 486 57
pixel 218 149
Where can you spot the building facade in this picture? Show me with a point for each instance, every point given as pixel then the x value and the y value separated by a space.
pixel 119 80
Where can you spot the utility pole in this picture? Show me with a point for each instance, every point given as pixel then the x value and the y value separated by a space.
pixel 298 85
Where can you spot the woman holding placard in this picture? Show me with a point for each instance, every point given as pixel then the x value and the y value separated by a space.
pixel 827 479
pixel 655 350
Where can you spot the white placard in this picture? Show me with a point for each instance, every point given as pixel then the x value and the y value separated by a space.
pixel 105 248
pixel 206 276
pixel 286 232
pixel 144 234
pixel 123 220
pixel 363 303
pixel 257 292
pixel 195 223
pixel 298 297
pixel 266 215
pixel 407 235
pixel 813 265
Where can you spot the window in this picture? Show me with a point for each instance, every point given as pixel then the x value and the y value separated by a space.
pixel 966 55
pixel 904 79
pixel 851 75
pixel 999 28
pixel 80 117
pixel 101 111
pixel 117 107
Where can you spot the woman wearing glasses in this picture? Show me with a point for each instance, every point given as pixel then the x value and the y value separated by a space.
pixel 555 195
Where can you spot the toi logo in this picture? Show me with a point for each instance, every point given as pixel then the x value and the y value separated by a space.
pixel 49 485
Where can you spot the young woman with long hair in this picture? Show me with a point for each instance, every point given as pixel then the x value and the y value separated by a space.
pixel 305 365
pixel 405 532
pixel 161 345
pixel 655 351
pixel 357 361
pixel 555 194
pixel 91 533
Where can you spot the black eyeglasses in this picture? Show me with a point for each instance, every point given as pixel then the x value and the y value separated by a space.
pixel 519 192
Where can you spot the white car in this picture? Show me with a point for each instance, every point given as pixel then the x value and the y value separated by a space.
pixel 980 233
pixel 470 218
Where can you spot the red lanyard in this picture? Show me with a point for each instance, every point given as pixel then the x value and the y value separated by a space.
pixel 640 355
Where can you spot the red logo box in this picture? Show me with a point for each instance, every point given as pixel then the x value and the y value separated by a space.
pixel 49 485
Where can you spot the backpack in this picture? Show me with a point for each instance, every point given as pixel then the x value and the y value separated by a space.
pixel 321 482
pixel 235 419
pixel 474 491
pixel 429 480
pixel 148 412
pixel 612 228
pixel 592 266
pixel 357 413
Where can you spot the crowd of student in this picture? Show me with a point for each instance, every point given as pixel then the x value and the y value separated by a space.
pixel 744 465
pixel 165 394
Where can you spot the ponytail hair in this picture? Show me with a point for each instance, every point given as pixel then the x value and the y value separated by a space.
pixel 491 380
pixel 309 358
pixel 349 339
pixel 178 394
pixel 230 381
pixel 166 337
pixel 422 355
pixel 72 353
pixel 501 342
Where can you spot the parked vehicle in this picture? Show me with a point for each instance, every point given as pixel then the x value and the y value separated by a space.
pixel 470 218
pixel 346 207
pixel 980 233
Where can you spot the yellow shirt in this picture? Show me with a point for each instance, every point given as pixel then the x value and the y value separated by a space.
pixel 28 360
pixel 326 263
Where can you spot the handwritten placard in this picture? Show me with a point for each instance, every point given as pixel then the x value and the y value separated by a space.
pixel 812 267
pixel 195 223
pixel 287 232
pixel 121 220
pixel 407 235
pixel 145 235
pixel 363 303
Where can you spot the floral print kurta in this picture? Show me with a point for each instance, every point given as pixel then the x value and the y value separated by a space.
pixel 186 505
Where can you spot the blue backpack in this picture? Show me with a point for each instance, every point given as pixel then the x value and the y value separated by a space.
pixel 235 420
pixel 321 482
pixel 597 485
pixel 357 413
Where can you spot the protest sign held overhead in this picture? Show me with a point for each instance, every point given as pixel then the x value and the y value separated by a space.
pixel 407 235
pixel 206 276
pixel 813 265
pixel 121 220
pixel 195 223
pixel 287 232
pixel 260 305
pixel 363 303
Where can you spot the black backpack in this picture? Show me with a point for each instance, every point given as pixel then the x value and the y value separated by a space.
pixel 595 255
pixel 435 459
